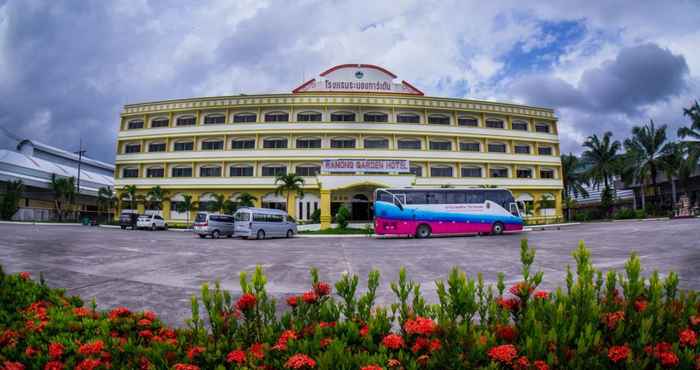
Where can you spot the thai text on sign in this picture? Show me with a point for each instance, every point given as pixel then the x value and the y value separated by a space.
pixel 365 165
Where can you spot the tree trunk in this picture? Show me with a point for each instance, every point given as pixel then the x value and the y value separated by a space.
pixel 643 196
pixel 673 192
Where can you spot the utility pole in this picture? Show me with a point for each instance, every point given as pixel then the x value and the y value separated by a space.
pixel 80 154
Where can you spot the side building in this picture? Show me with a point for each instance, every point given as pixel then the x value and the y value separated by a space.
pixel 352 129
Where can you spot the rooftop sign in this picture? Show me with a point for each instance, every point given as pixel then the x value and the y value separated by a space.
pixel 357 78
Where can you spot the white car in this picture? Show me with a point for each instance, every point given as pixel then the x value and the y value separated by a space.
pixel 153 222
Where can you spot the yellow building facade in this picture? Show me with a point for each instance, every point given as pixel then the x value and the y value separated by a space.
pixel 356 114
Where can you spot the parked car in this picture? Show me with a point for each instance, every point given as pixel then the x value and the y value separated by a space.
pixel 261 223
pixel 214 225
pixel 153 222
pixel 128 219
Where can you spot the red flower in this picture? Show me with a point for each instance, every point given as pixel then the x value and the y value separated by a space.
pixel 688 338
pixel 435 345
pixel 9 365
pixel 421 343
pixel 541 294
pixel 149 315
pixel 284 338
pixel 55 350
pixel 392 362
pixel 521 289
pixel 145 322
pixel 81 312
pixel 420 326
pixel 292 301
pixel 53 365
pixel 506 332
pixel 119 312
pixel 668 359
pixel 372 367
pixel 324 324
pixel 146 334
pixel 246 302
pixel 695 320
pixel 541 365
pixel 611 319
pixel 91 348
pixel 310 297
pixel 322 289
pixel 364 330
pixel 392 341
pixel 640 304
pixel 522 363
pixel 299 361
pixel 257 351
pixel 236 356
pixel 88 364
pixel 510 304
pixel 194 352
pixel 185 367
pixel 8 338
pixel 504 353
pixel 618 353
pixel 24 275
pixel 30 351
pixel 324 342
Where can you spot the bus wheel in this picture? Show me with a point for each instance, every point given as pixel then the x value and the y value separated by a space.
pixel 261 234
pixel 497 229
pixel 423 231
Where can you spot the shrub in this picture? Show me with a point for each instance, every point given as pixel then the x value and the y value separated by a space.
pixel 624 214
pixel 342 217
pixel 597 320
pixel 316 216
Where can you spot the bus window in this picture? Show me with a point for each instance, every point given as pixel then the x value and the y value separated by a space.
pixel 455 197
pixel 385 197
pixel 415 197
pixel 435 197
pixel 475 197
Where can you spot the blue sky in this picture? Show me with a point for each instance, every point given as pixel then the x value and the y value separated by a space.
pixel 67 68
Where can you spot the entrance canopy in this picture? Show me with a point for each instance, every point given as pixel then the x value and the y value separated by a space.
pixel 331 182
pixel 364 78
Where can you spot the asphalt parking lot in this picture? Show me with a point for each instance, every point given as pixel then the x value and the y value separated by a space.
pixel 161 270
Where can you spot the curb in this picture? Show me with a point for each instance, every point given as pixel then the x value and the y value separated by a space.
pixel 544 227
pixel 332 236
pixel 42 223
pixel 119 227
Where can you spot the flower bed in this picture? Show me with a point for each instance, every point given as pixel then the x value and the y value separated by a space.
pixel 596 321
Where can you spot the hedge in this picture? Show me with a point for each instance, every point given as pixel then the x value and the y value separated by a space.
pixel 612 320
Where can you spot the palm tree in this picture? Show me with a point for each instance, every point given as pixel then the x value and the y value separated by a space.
pixel 10 199
pixel 129 193
pixel 63 192
pixel 187 206
pixel 602 158
pixel 217 204
pixel 155 197
pixel 692 131
pixel 289 183
pixel 671 163
pixel 246 200
pixel 648 144
pixel 574 180
pixel 106 200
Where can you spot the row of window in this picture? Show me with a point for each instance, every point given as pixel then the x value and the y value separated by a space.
pixel 314 116
pixel 340 143
pixel 313 170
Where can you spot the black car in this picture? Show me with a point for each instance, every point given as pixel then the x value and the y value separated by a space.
pixel 128 220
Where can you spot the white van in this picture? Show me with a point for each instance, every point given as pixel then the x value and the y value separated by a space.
pixel 261 223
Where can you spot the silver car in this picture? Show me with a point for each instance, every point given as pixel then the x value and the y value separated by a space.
pixel 261 223
pixel 213 224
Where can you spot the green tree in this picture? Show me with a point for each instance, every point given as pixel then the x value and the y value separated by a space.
pixel 155 197
pixel 671 162
pixel 246 200
pixel 10 199
pixel 692 131
pixel 106 200
pixel 342 217
pixel 63 193
pixel 288 184
pixel 647 146
pixel 186 206
pixel 574 180
pixel 216 205
pixel 602 159
pixel 129 194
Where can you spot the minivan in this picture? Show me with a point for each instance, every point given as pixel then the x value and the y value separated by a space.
pixel 213 224
pixel 261 223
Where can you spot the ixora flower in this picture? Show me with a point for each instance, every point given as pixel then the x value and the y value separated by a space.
pixel 393 341
pixel 55 350
pixel 119 312
pixel 257 351
pixel 82 312
pixel 283 339
pixel 9 365
pixel 24 275
pixel 541 294
pixel 322 288
pixel 292 301
pixel 521 289
pixel 300 361
pixel 540 365
pixel 510 304
pixel 194 352
pixel 310 297
pixel 611 319
pixel 364 330
pixel 54 365
pixel 504 353
pixel 392 362
pixel 618 353
pixel 185 367
pixel 91 348
pixel 372 367
pixel 88 364
pixel 688 338
pixel 246 302
pixel 506 332
pixel 149 315
pixel 419 325
pixel 236 356
pixel 668 359
pixel 640 304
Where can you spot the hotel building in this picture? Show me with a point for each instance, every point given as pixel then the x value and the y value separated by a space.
pixel 350 130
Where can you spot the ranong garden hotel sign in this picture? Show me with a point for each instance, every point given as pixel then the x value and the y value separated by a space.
pixel 365 165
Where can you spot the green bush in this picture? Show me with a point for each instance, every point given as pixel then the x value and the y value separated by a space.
pixel 342 217
pixel 597 320
pixel 316 216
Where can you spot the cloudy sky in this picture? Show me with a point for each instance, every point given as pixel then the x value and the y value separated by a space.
pixel 67 68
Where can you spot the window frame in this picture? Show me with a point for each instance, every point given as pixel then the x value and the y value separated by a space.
pixel 442 167
pixel 241 140
pixel 268 166
pixel 550 148
pixel 513 123
pixel 505 147
pixel 431 116
pixel 124 172
pixel 209 141
pixel 276 114
pixel 307 166
pixel 461 119
pixel 343 139
pixel 236 118
pixel 272 139
pixel 308 139
pixel 132 145
pixel 186 117
pixel 160 119
pixel 191 142
pixel 172 171
pixel 515 148
pixel 376 138
pixel 161 168
pixel 385 117
pixel 492 120
pixel 210 167
pixel 528 169
pixel 344 114
pixel 133 121
pixel 310 113
pixel 159 144
pixel 548 128
pixel 439 141
pixel 407 114
pixel 479 168
pixel 478 144
pixel 399 140
pixel 499 169
pixel 240 167
pixel 214 115
pixel 548 170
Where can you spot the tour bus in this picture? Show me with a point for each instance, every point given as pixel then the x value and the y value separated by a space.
pixel 422 212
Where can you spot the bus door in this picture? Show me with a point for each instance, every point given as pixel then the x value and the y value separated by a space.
pixel 514 210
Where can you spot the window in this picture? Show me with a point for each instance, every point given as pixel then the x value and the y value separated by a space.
pixel 470 147
pixel 243 144
pixel 546 174
pixel 521 149
pixel 455 197
pixel 342 117
pixel 407 118
pixel 471 171
pixel 438 119
pixel 186 121
pixel 376 117
pixel 245 117
pixel 129 173
pixel 182 172
pixel 475 197
pixel 343 143
pixel 519 125
pixel 212 171
pixel 309 117
pixel 544 150
pixel 214 119
pixel 155 172
pixel 156 147
pixel 542 127
pixel 213 145
pixel 308 170
pixel 494 123
pixel 497 148
pixel 135 124
pixel 435 197
pixel 132 148
pixel 412 144
pixel 440 145
pixel 524 173
pixel 499 172
pixel 468 121
pixel 275 143
pixel 241 171
pixel 309 143
pixel 160 122
pixel 441 171
pixel 183 146
pixel 277 117
pixel 417 170
pixel 261 217
pixel 274 170
pixel 376 143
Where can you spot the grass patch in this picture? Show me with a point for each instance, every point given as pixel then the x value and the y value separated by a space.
pixel 339 231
